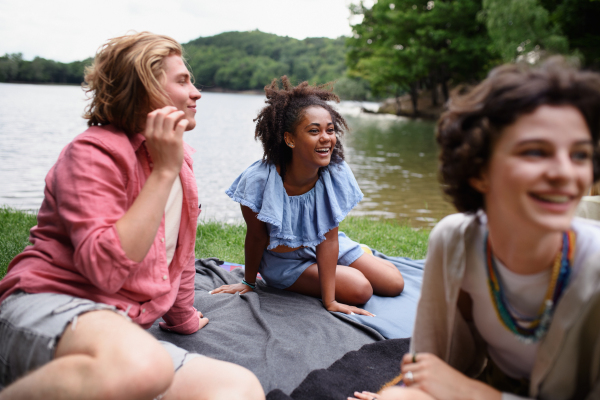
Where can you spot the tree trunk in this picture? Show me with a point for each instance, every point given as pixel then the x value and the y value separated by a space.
pixel 414 97
pixel 398 103
pixel 445 90
pixel 434 92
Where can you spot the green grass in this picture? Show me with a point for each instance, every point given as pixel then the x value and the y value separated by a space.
pixel 226 241
pixel 14 232
pixel 388 236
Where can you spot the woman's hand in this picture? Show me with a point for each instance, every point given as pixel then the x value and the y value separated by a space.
pixel 346 309
pixel 203 321
pixel 393 393
pixel 431 375
pixel 364 395
pixel 235 288
pixel 164 139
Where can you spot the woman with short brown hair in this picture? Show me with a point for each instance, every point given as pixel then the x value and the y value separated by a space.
pixel 511 290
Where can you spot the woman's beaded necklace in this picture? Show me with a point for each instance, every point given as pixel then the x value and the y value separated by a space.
pixel 533 329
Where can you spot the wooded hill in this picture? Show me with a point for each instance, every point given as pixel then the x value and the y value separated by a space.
pixel 229 61
pixel 250 60
pixel 14 69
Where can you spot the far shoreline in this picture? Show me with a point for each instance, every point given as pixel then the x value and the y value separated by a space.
pixel 426 114
pixel 202 89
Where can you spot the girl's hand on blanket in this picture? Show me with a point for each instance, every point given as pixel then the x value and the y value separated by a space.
pixel 203 321
pixel 235 288
pixel 433 376
pixel 346 309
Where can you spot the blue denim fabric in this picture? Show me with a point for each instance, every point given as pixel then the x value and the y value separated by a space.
pixel 32 324
pixel 281 270
pixel 303 220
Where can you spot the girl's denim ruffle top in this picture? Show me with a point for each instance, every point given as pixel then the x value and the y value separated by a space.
pixel 302 220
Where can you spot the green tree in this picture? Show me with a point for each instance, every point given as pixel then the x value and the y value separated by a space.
pixel 353 88
pixel 520 28
pixel 578 20
pixel 14 69
pixel 402 45
pixel 231 60
pixel 250 60
pixel 9 67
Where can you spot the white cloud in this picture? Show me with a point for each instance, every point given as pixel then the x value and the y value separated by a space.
pixel 68 30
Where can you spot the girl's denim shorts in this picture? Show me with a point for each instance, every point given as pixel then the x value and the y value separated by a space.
pixel 281 270
pixel 32 324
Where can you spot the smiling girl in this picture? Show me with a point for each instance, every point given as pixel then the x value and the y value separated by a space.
pixel 294 199
pixel 514 279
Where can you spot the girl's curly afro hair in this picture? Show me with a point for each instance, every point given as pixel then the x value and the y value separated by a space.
pixel 285 108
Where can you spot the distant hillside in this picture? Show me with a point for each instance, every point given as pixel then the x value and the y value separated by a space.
pixel 14 69
pixel 229 61
pixel 250 60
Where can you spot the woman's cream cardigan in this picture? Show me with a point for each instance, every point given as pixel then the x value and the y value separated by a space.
pixel 567 365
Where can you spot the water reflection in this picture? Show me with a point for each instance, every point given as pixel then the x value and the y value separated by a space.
pixel 393 159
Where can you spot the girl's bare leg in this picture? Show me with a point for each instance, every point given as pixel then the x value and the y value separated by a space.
pixel 384 277
pixel 351 286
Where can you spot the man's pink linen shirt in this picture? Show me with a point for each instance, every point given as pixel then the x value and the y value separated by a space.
pixel 75 247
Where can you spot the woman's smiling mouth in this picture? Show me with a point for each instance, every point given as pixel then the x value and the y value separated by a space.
pixel 552 198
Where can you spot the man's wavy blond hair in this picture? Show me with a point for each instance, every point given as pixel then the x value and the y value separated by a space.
pixel 124 80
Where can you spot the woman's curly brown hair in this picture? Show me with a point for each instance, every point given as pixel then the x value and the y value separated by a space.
pixel 284 111
pixel 467 132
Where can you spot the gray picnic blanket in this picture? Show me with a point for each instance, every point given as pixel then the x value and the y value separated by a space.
pixel 278 335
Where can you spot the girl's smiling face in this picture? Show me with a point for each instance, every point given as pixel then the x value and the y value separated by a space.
pixel 314 138
pixel 539 169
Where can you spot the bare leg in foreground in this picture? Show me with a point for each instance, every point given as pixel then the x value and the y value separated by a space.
pixel 108 357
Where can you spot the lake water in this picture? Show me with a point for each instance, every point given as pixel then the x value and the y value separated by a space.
pixel 393 159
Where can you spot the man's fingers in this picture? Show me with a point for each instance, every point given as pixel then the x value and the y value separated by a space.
pixel 157 119
pixel 157 125
pixel 171 120
pixel 180 128
pixel 149 131
pixel 203 322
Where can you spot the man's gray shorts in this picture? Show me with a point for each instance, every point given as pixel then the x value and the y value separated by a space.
pixel 32 324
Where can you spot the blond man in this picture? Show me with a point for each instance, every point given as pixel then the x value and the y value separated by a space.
pixel 113 249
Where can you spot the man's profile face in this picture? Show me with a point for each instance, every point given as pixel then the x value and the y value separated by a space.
pixel 181 91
